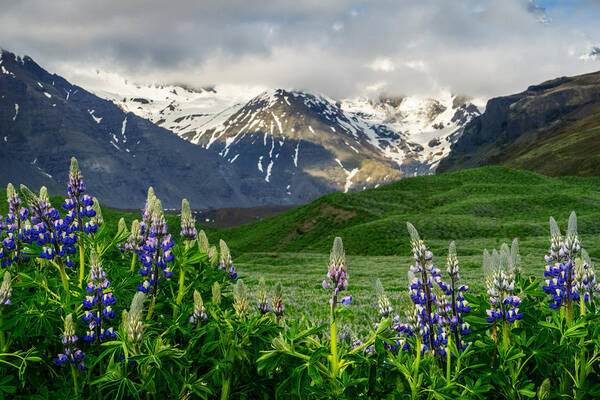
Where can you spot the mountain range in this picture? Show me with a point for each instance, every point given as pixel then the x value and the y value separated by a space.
pixel 277 147
pixel 222 146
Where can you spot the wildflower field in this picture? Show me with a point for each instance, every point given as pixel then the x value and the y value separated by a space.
pixel 417 290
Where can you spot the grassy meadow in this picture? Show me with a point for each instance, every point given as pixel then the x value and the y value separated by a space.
pixel 478 208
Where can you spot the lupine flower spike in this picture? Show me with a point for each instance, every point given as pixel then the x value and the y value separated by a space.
pixel 216 294
pixel 53 233
pixel 560 277
pixel 262 300
pixel 241 298
pixel 213 256
pixel 383 302
pixel 72 353
pixel 586 285
pixel 98 303
pixel 18 230
pixel 188 223
pixel 199 309
pixel 226 261
pixel 5 290
pixel 500 283
pixel 133 324
pixel 203 245
pixel 277 305
pixel 337 274
pixel 156 253
pixel 424 274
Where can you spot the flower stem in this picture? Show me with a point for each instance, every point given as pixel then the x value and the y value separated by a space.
pixel 448 358
pixel 334 350
pixel 132 263
pixel 81 262
pixel 75 385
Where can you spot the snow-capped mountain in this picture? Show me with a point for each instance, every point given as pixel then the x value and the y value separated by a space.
pixel 410 134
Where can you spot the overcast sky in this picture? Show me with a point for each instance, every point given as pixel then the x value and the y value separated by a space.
pixel 337 47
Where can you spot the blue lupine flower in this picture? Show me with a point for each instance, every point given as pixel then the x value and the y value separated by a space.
pixel 188 223
pixel 277 305
pixel 199 309
pixel 262 300
pixel 16 226
pixel 499 273
pixel 98 303
pixel 560 277
pixel 337 274
pixel 156 252
pixel 72 353
pixel 226 261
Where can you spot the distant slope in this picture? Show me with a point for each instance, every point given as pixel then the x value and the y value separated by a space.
pixel 491 202
pixel 44 120
pixel 552 128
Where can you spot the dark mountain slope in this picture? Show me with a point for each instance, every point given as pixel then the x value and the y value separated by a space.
pixel 552 128
pixel 44 120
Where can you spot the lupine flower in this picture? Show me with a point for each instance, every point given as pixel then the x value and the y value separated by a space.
pixel 98 303
pixel 156 253
pixel 277 305
pixel 500 283
pixel 457 306
pixel 226 261
pixel 337 274
pixel 383 302
pixel 188 223
pixel 147 213
pixel 199 309
pixel 560 277
pixel 586 284
pixel 262 300
pixel 241 298
pixel 216 294
pixel 124 232
pixel 134 241
pixel 213 256
pixel 72 353
pixel 17 229
pixel 5 290
pixel 203 245
pixel 133 324
pixel 54 234
pixel 422 276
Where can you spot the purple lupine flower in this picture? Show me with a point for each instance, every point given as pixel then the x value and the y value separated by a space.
pixel 188 223
pixel 277 305
pixel 422 275
pixel 560 277
pixel 199 309
pixel 262 300
pixel 98 303
pixel 5 290
pixel 226 263
pixel 500 282
pixel 72 353
pixel 156 253
pixel 455 305
pixel 337 274
pixel 53 233
pixel 16 225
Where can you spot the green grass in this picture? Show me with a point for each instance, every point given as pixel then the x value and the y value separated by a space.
pixel 478 208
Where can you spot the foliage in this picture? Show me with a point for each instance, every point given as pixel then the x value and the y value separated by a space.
pixel 77 320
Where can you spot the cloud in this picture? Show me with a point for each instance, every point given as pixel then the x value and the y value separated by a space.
pixel 339 47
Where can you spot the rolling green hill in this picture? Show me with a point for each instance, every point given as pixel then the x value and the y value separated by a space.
pixel 489 202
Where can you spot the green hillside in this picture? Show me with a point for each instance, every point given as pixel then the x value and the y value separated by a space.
pixel 489 202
